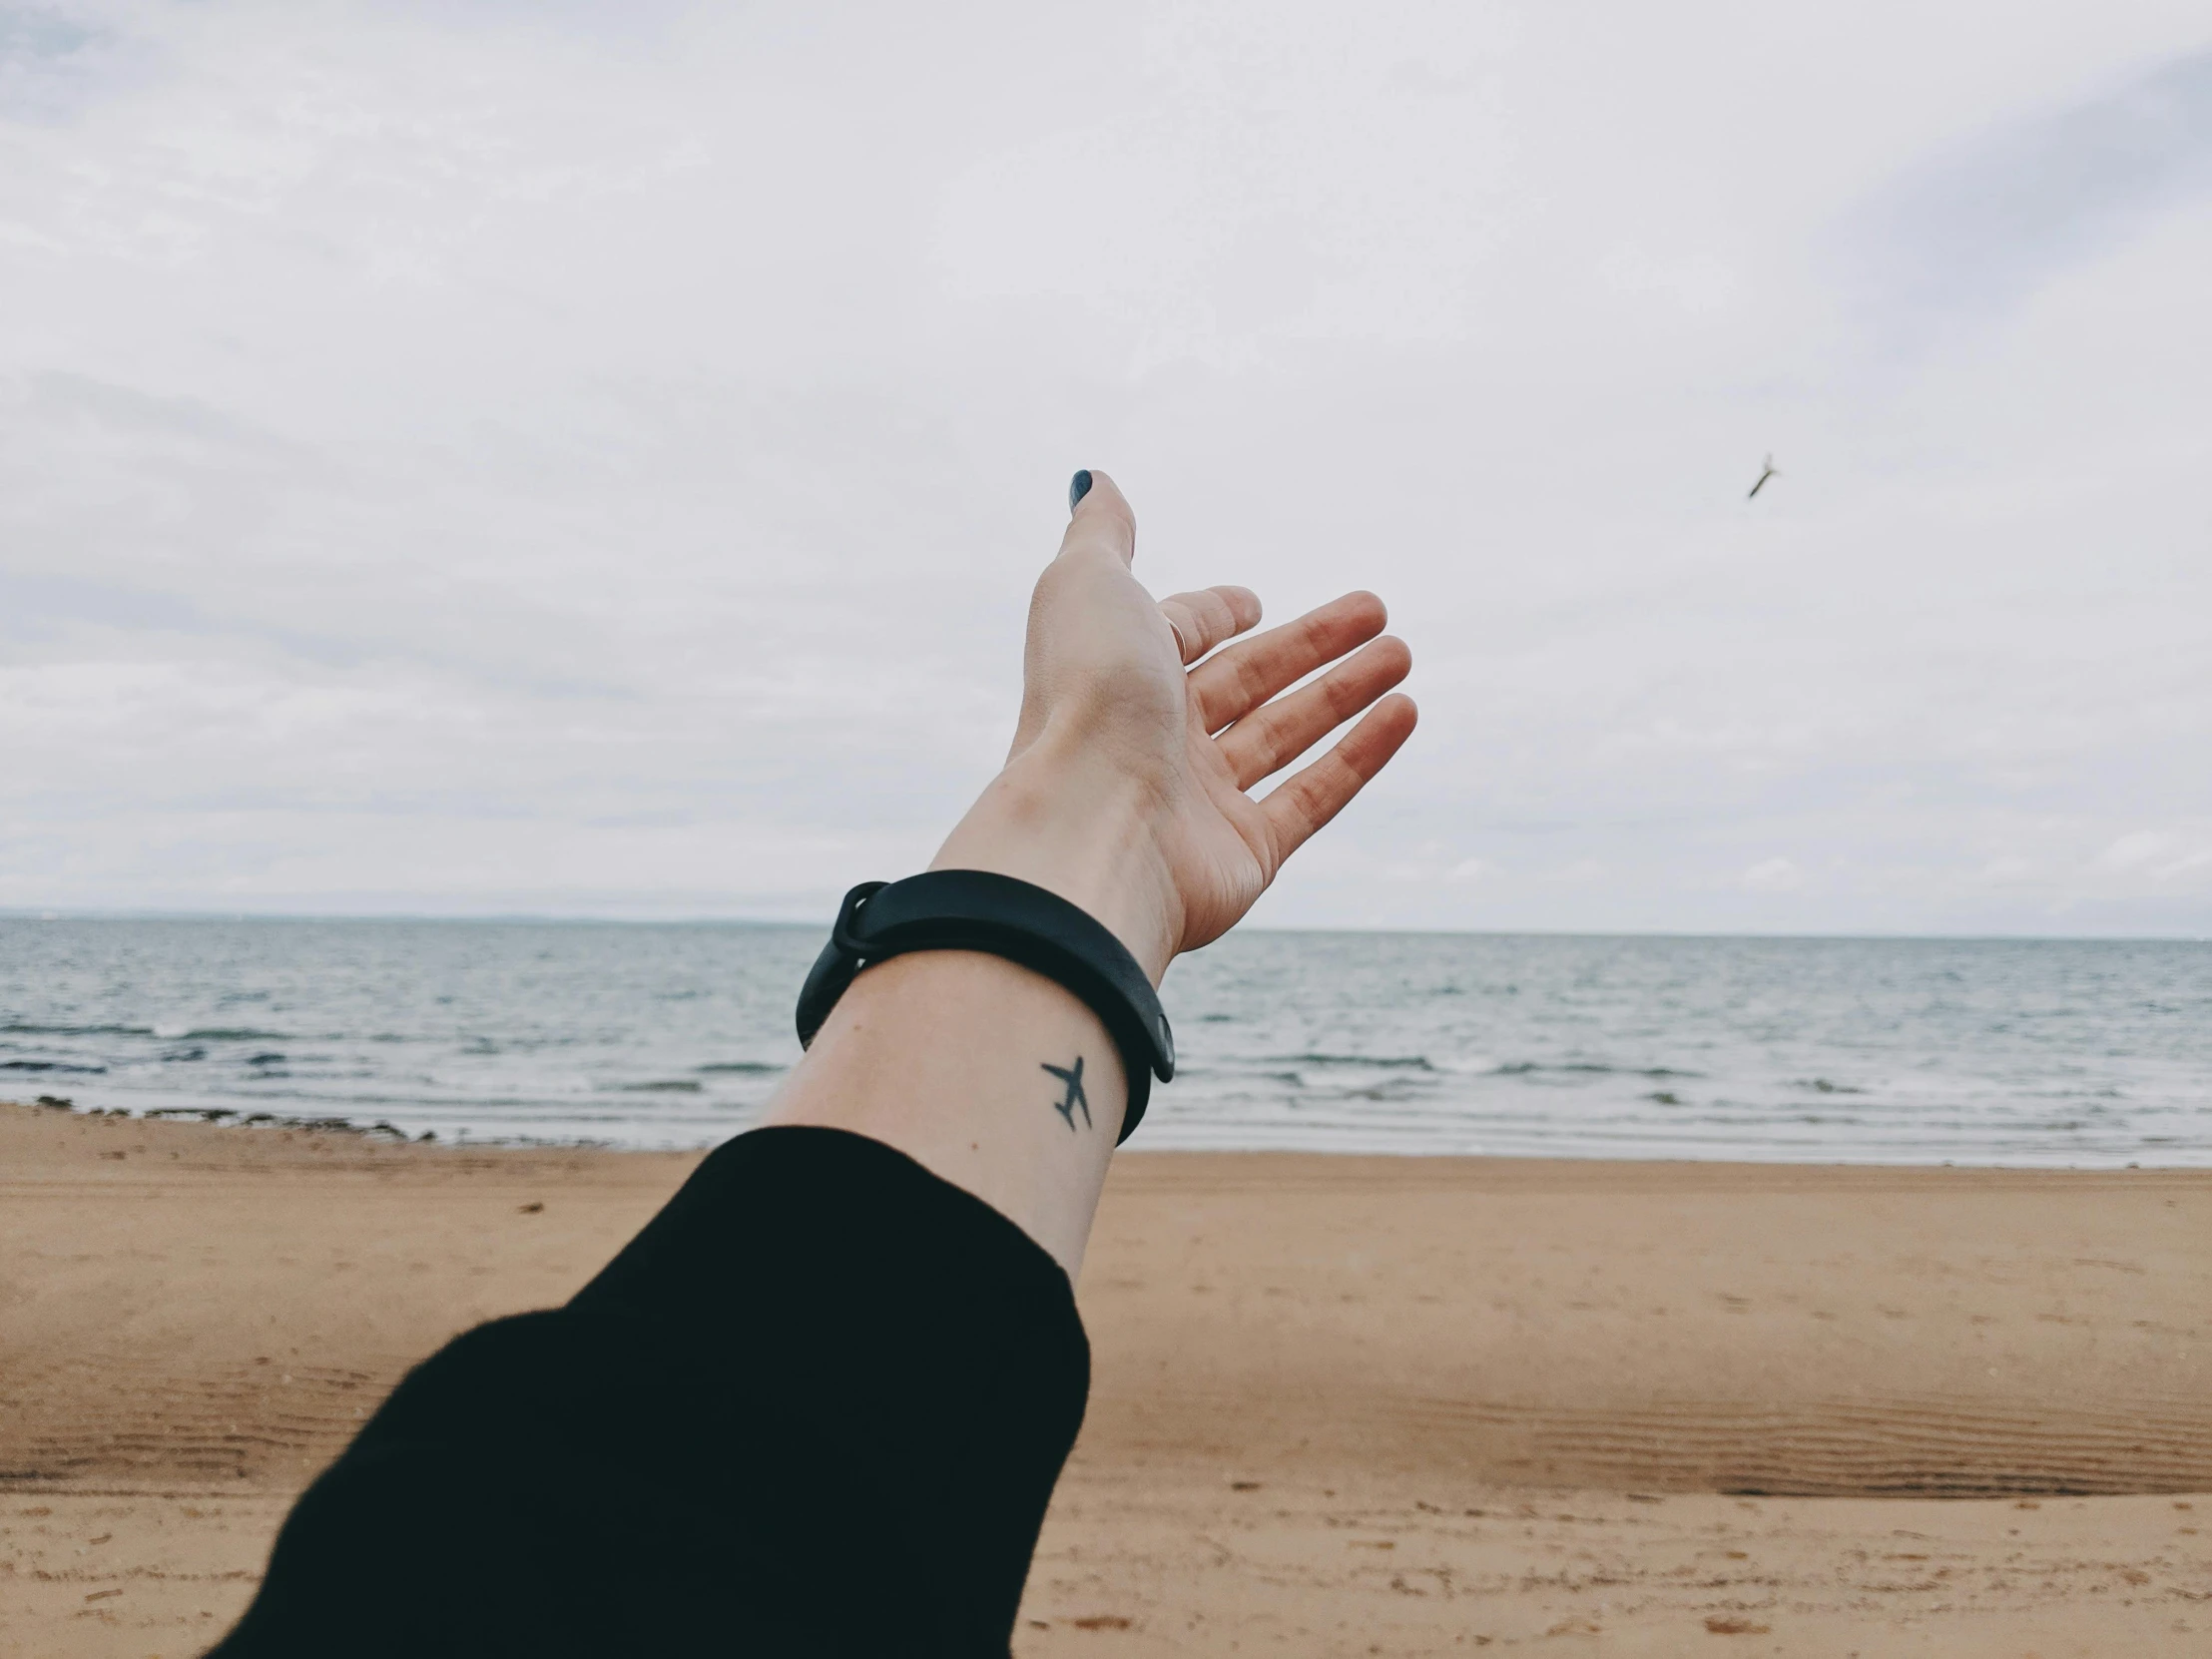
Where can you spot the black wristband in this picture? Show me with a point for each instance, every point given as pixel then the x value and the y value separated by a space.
pixel 976 909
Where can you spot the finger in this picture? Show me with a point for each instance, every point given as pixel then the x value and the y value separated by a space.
pixel 1309 798
pixel 1100 523
pixel 1230 686
pixel 1276 734
pixel 1204 619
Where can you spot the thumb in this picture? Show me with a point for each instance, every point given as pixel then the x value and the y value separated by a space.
pixel 1100 523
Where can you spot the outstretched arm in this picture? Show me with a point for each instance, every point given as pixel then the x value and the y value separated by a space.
pixel 1127 791
pixel 819 1405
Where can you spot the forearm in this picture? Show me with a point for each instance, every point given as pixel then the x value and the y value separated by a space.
pixel 944 1056
pixel 987 1073
pixel 1126 796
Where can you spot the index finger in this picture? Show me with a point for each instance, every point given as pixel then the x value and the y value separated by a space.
pixel 1202 620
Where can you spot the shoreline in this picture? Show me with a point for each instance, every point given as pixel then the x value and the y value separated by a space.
pixel 226 1117
pixel 1293 1355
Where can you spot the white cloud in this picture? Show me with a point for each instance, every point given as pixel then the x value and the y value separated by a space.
pixel 1772 875
pixel 1694 281
pixel 2137 848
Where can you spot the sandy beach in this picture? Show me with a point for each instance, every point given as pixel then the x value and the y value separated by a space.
pixel 1341 1404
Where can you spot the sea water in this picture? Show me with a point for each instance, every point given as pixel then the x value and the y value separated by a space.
pixel 2029 1052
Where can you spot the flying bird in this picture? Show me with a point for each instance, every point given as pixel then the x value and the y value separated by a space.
pixel 1763 477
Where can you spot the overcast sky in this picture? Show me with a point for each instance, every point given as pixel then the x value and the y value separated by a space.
pixel 591 458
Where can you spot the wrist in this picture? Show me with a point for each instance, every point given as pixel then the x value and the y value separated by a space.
pixel 1086 833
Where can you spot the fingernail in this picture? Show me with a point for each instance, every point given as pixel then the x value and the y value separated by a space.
pixel 1079 487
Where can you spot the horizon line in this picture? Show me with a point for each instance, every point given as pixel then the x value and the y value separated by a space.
pixel 582 919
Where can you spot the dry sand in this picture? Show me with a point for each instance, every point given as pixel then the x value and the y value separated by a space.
pixel 1342 1405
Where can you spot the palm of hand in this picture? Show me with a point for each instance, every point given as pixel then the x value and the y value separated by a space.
pixel 1190 741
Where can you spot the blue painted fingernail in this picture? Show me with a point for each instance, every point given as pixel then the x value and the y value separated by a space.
pixel 1079 487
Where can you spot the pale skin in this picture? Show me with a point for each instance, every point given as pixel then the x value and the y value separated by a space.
pixel 1128 793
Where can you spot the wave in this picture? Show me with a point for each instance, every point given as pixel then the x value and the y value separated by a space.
pixel 49 1065
pixel 1524 1068
pixel 1480 1067
pixel 338 1126
pixel 669 1085
pixel 746 1068
pixel 31 1028
pixel 1411 1062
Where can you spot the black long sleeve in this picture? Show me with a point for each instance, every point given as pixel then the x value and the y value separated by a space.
pixel 817 1406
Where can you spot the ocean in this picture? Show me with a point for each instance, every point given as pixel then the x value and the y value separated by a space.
pixel 2019 1053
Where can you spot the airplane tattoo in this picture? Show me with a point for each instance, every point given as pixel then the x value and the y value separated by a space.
pixel 1073 1078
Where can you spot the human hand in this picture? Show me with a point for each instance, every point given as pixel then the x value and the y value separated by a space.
pixel 1125 791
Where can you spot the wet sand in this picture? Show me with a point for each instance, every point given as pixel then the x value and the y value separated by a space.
pixel 1342 1405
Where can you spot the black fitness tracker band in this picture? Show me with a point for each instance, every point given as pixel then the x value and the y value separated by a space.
pixel 975 909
